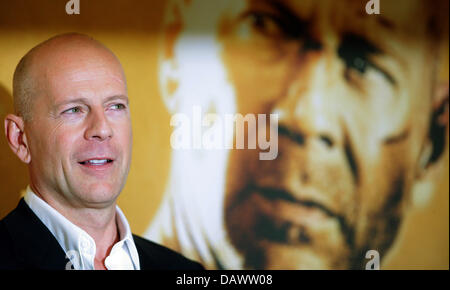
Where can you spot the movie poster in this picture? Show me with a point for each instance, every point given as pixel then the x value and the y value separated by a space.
pixel 290 134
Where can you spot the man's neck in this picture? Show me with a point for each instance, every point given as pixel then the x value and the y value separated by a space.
pixel 99 222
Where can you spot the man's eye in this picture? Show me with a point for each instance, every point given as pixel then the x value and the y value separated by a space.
pixel 265 24
pixel 357 53
pixel 361 64
pixel 358 63
pixel 73 110
pixel 118 107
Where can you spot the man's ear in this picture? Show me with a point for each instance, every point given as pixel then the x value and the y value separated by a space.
pixel 168 66
pixel 15 135
pixel 435 152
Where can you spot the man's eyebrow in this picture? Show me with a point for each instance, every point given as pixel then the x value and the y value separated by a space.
pixel 357 44
pixel 115 97
pixel 292 24
pixel 83 100
pixel 73 101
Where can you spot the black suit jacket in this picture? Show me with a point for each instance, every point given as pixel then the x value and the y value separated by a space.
pixel 26 243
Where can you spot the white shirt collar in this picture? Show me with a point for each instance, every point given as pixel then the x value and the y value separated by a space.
pixel 78 245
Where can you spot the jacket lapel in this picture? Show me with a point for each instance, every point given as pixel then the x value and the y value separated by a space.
pixel 145 258
pixel 33 242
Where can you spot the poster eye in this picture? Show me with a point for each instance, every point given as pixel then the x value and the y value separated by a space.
pixel 358 63
pixel 265 24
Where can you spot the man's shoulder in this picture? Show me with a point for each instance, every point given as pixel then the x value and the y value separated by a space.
pixel 156 256
pixel 26 243
pixel 9 259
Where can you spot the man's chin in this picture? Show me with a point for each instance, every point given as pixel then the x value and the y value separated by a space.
pixel 285 235
pixel 326 249
pixel 100 194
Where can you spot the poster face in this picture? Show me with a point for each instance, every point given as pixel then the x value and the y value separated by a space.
pixel 332 129
pixel 287 134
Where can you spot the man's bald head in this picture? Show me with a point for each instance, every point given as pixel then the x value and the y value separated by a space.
pixel 29 80
pixel 79 140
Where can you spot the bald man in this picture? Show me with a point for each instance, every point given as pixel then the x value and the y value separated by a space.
pixel 72 128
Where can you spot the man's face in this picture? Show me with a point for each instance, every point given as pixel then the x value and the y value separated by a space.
pixel 353 96
pixel 80 133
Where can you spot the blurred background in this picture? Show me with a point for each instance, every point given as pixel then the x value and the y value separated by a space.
pixel 131 29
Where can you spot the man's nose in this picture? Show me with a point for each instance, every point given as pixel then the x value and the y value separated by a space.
pixel 309 111
pixel 99 127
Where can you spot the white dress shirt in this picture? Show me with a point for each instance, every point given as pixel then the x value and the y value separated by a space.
pixel 78 245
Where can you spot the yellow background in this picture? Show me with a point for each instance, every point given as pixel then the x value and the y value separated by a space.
pixel 131 30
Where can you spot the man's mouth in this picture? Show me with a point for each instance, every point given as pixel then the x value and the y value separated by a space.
pixel 285 219
pixel 99 164
pixel 96 162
